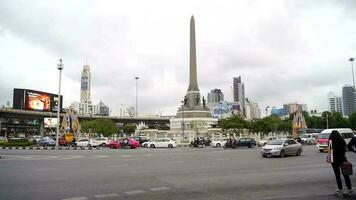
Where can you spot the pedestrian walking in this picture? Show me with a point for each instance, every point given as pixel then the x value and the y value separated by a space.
pixel 337 149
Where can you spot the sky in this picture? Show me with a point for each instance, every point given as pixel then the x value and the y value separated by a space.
pixel 285 51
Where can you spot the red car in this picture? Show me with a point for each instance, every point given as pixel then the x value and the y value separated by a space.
pixel 129 144
pixel 62 142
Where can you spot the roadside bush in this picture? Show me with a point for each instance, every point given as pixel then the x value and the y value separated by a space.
pixel 18 140
pixel 16 144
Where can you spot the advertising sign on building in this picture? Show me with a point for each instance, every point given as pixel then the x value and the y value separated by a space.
pixel 24 99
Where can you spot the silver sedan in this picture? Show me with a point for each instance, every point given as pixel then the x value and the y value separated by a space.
pixel 282 147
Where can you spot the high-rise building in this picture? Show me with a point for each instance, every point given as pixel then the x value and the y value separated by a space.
pixel 126 111
pixel 334 103
pixel 239 91
pixel 85 85
pixel 85 109
pixel 215 96
pixel 252 111
pixel 103 109
pixel 348 100
pixel 294 107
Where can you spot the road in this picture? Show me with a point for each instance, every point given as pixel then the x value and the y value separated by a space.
pixel 181 173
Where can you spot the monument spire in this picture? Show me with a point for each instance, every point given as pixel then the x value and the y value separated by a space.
pixel 193 83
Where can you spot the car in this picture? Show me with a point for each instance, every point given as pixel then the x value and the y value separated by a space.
pixel 131 144
pixel 141 139
pixel 281 148
pixel 163 142
pixel 102 141
pixel 309 138
pixel 36 138
pixel 322 141
pixel 87 143
pixel 219 143
pixel 246 142
pixel 114 144
pixel 263 142
pixel 145 144
pixel 46 142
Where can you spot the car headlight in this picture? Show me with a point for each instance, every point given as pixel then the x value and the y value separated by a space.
pixel 277 148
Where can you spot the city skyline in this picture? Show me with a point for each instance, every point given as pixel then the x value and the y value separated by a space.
pixel 121 43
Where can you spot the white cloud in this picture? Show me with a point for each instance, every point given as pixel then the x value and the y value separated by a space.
pixel 285 51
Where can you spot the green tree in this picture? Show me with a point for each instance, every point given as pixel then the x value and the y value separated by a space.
pixel 103 126
pixel 338 121
pixel 352 120
pixel 129 128
pixel 235 123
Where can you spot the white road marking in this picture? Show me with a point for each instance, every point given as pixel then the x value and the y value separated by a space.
pixel 123 165
pixel 160 188
pixel 148 154
pixel 175 162
pixel 45 169
pixel 134 192
pixel 126 156
pixel 76 198
pixel 99 156
pixel 100 196
pixel 71 157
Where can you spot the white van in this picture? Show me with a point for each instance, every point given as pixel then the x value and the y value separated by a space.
pixel 323 138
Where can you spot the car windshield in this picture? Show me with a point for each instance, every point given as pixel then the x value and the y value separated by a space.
pixel 276 142
pixel 303 136
pixel 324 136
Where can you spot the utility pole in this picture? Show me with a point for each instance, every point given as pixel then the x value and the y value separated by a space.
pixel 136 78
pixel 327 121
pixel 352 67
pixel 60 68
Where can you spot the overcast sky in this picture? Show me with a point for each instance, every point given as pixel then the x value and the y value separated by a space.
pixel 285 51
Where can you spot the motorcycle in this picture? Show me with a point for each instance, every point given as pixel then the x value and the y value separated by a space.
pixel 230 144
pixel 125 144
pixel 197 144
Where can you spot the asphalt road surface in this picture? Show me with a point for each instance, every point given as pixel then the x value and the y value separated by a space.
pixel 180 173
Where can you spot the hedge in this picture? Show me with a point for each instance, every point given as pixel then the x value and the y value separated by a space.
pixel 16 144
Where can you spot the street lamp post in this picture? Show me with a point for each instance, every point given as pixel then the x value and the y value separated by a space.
pixel 60 68
pixel 352 67
pixel 136 78
pixel 327 121
pixel 183 125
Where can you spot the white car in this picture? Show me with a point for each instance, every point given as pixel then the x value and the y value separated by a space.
pixel 102 141
pixel 162 143
pixel 219 143
pixel 36 138
pixel 309 138
pixel 145 144
pixel 282 147
pixel 263 142
pixel 87 143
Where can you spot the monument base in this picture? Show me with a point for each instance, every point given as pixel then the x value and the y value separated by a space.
pixel 192 123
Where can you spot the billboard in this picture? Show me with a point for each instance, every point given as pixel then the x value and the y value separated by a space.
pixel 24 99
pixel 50 122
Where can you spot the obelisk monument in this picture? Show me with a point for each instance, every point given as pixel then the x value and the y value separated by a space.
pixel 193 105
